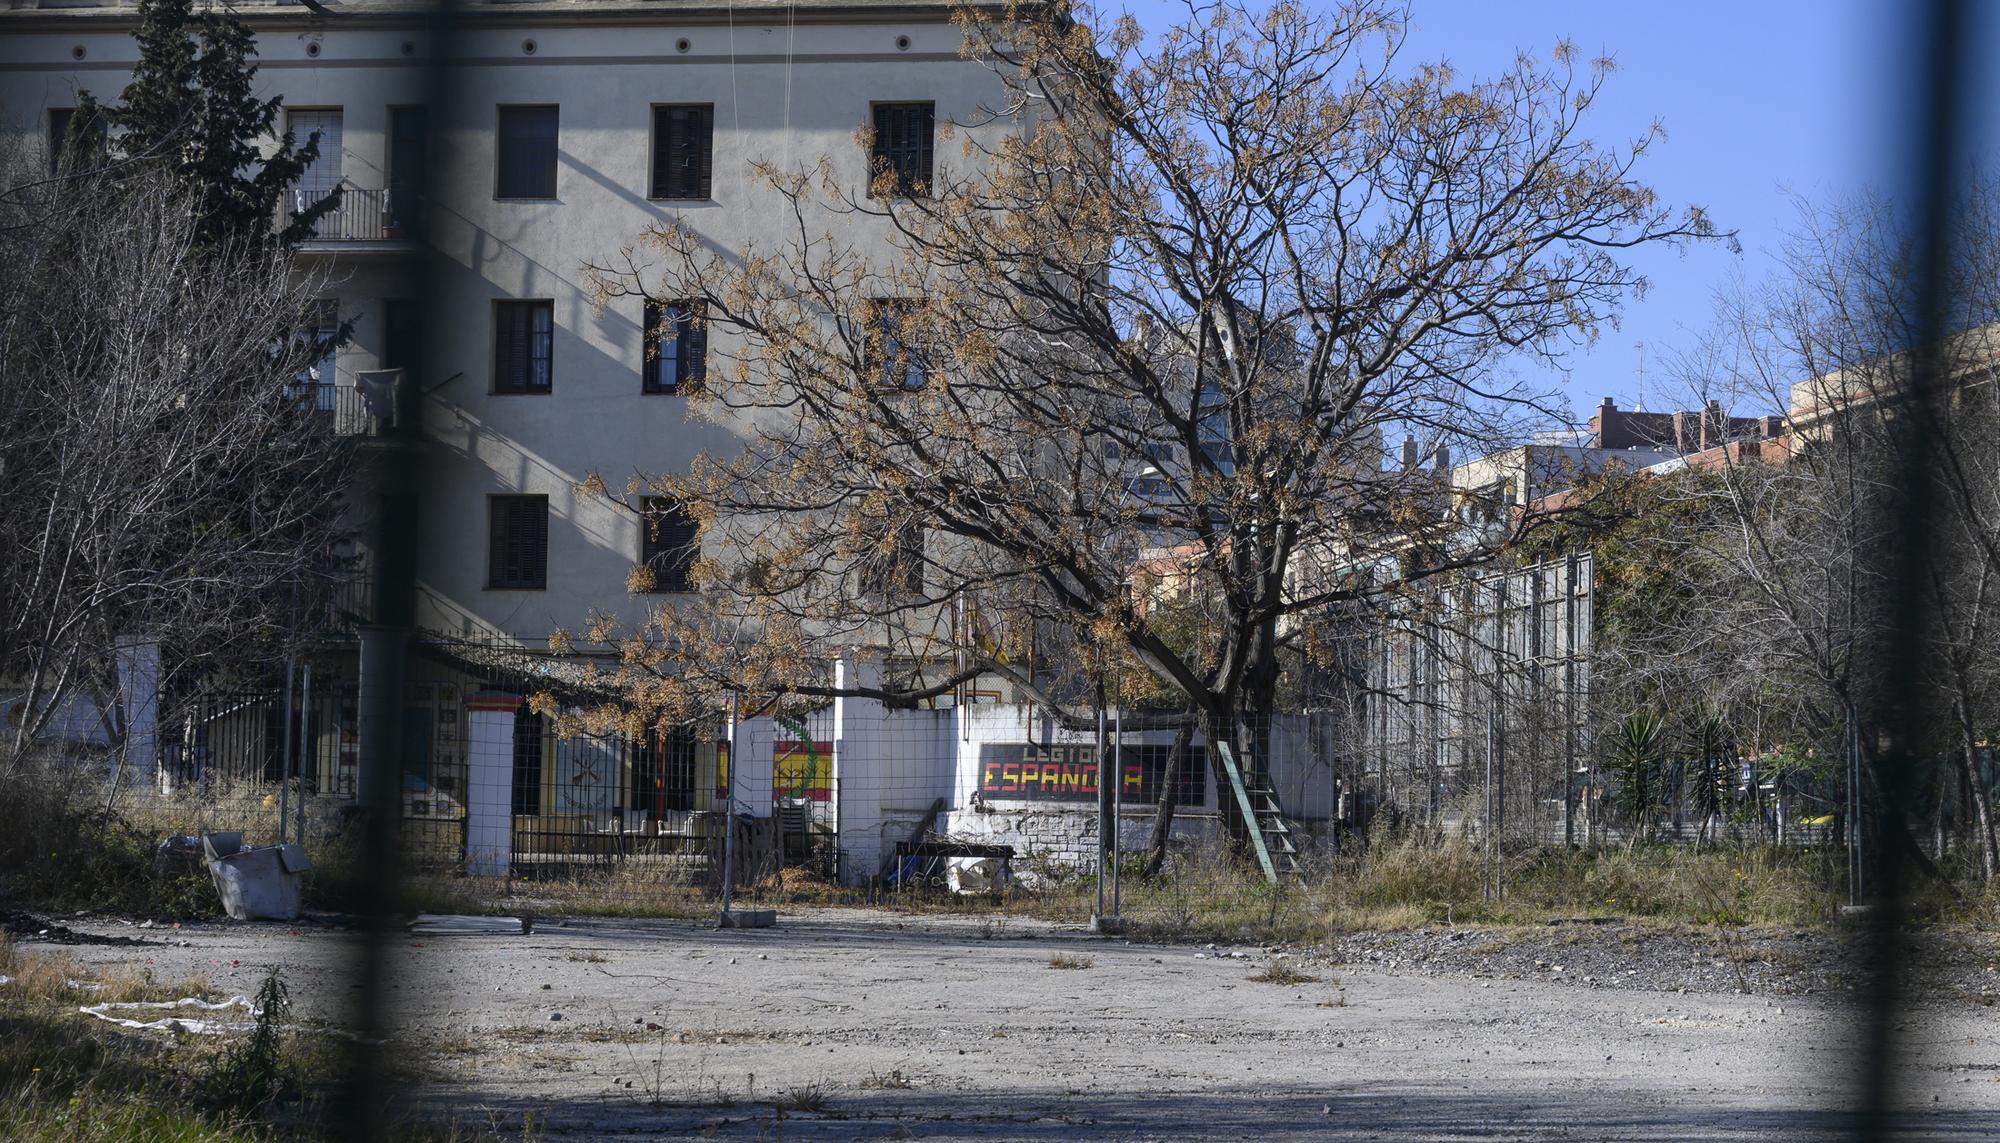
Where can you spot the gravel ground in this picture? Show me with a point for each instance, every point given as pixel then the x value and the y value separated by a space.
pixel 1763 962
pixel 852 1024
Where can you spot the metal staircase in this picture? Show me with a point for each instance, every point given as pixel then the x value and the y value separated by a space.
pixel 1270 837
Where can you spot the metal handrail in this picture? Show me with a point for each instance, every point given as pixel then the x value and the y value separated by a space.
pixel 361 215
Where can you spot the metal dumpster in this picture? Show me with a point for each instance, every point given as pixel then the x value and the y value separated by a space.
pixel 255 883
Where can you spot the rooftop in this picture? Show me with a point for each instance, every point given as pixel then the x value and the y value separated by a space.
pixel 333 13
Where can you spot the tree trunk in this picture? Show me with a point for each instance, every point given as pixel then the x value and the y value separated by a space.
pixel 1221 729
pixel 1163 813
pixel 1982 801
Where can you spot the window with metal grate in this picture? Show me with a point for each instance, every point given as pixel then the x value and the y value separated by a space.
pixel 518 543
pixel 676 347
pixel 525 152
pixel 669 544
pixel 904 143
pixel 523 346
pixel 683 150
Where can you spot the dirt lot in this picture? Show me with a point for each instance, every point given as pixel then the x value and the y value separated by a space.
pixel 851 1024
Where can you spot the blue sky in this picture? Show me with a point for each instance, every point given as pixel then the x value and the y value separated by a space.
pixel 1762 100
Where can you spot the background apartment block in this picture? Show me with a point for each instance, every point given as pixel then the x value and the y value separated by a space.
pixel 483 163
pixel 551 136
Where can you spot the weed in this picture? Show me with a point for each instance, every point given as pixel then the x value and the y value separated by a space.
pixel 893 1080
pixel 250 1076
pixel 70 1079
pixel 809 1097
pixel 1279 972
pixel 1066 960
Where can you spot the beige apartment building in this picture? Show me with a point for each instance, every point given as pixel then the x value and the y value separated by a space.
pixel 483 163
pixel 486 153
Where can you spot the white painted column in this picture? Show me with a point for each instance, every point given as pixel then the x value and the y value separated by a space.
pixel 756 740
pixel 489 783
pixel 139 698
pixel 858 778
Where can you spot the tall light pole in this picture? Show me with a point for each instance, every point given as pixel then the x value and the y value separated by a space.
pixel 729 818
pixel 1108 848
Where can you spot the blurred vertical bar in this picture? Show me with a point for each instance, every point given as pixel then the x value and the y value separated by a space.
pixel 1935 107
pixel 397 484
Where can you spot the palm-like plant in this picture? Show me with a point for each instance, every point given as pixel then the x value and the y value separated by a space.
pixel 1635 747
pixel 1713 743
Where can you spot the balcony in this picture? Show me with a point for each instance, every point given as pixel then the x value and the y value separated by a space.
pixel 365 221
pixel 345 411
pixel 341 595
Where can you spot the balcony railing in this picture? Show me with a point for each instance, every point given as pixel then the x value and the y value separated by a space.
pixel 360 216
pixel 345 411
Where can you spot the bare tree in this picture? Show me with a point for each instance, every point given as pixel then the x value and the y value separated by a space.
pixel 1794 610
pixel 1170 300
pixel 168 475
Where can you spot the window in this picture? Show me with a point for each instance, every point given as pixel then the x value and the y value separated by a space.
pixel 898 572
pixel 525 153
pixel 321 178
pixel 518 543
pixel 523 346
pixel 319 343
pixel 668 544
pixel 903 145
pixel 409 149
pixel 676 347
pixel 663 773
pixel 889 356
pixel 683 151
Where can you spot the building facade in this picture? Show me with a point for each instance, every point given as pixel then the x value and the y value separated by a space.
pixel 485 162
pixel 487 154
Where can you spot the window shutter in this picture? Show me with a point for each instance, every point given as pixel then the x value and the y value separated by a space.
pixel 885 141
pixel 922 128
pixel 542 319
pixel 523 346
pixel 693 357
pixel 680 154
pixel 910 561
pixel 543 172
pixel 510 349
pixel 677 536
pixel 518 551
pixel 649 346
pixel 667 544
pixel 663 143
pixel 527 152
pixel 498 533
pixel 537 509
pixel 683 152
pixel 904 144
pixel 705 150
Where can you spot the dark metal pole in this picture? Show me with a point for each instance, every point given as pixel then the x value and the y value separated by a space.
pixel 1910 549
pixel 285 752
pixel 305 747
pixel 1487 886
pixel 1103 807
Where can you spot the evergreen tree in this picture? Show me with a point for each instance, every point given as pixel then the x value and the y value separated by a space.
pixel 191 107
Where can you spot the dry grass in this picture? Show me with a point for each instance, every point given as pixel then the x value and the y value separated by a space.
pixel 1206 895
pixel 1070 961
pixel 893 1080
pixel 55 976
pixel 807 1097
pixel 1279 972
pixel 65 1078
